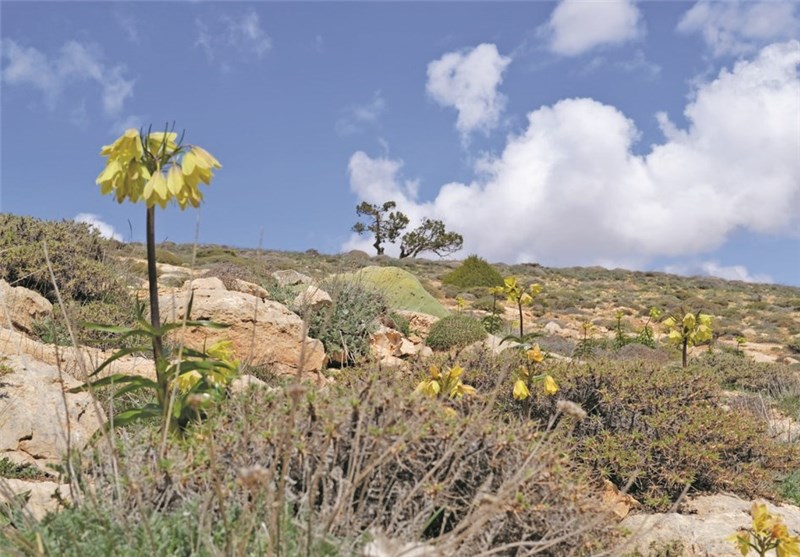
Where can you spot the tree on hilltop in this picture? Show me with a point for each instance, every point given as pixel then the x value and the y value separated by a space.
pixel 384 224
pixel 430 236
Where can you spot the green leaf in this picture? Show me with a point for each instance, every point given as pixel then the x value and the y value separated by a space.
pixel 116 379
pixel 129 416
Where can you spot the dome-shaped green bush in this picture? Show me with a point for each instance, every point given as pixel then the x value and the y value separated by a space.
pixel 474 271
pixel 455 331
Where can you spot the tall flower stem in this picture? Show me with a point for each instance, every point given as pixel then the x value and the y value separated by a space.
pixel 152 279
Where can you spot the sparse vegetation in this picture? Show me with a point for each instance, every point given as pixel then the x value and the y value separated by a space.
pixel 332 459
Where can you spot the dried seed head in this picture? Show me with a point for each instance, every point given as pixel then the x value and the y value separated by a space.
pixel 571 409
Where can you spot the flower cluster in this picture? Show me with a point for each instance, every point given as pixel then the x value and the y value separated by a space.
pixel 767 532
pixel 525 376
pixel 448 382
pixel 155 168
pixel 694 329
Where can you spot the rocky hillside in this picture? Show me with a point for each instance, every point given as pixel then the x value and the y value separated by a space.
pixel 646 457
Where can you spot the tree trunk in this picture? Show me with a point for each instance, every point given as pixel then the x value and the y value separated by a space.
pixel 519 305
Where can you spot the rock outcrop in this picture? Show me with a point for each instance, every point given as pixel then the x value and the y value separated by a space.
pixel 38 417
pixel 703 526
pixel 263 332
pixel 20 307
pixel 77 363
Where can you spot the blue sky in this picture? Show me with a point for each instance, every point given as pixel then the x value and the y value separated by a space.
pixel 646 135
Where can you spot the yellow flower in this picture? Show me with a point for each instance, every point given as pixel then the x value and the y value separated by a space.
pixel 186 381
pixel 742 541
pixel 128 146
pixel 521 391
pixel 550 386
pixel 535 354
pixel 130 174
pixel 159 143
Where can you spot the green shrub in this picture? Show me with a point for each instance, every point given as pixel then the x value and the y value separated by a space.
pixel 168 258
pixel 77 255
pixel 11 470
pixel 455 331
pixel 474 271
pixel 347 324
pixel 662 429
pixel 53 330
pixel 399 323
pixel 790 487
pixel 401 289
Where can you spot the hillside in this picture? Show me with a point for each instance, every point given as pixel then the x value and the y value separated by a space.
pixel 377 426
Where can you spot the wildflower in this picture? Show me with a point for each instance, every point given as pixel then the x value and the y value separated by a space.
pixel 550 386
pixel 521 391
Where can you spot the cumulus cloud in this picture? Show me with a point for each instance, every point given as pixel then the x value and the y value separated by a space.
pixel 226 38
pixel 715 269
pixel 105 229
pixel 468 81
pixel 577 26
pixel 357 117
pixel 738 27
pixel 76 62
pixel 570 189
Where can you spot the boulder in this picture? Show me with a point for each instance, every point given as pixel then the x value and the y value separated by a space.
pixel 20 307
pixel 240 285
pixel 703 526
pixel 385 342
pixel 77 363
pixel 312 299
pixel 419 323
pixel 263 332
pixel 290 277
pixel 42 496
pixel 33 418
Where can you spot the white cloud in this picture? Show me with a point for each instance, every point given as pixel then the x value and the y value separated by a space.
pixel 577 26
pixel 570 190
pixel 105 229
pixel 76 62
pixel 228 38
pixel 468 82
pixel 129 26
pixel 737 27
pixel 715 269
pixel 356 117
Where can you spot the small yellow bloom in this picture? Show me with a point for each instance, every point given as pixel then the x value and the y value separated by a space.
pixel 550 385
pixel 521 391
pixel 160 142
pixel 186 381
pixel 535 354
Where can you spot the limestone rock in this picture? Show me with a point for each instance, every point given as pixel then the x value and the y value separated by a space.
pixel 20 307
pixel 408 348
pixel 240 285
pixel 385 342
pixel 708 521
pixel 244 382
pixel 312 299
pixel 290 277
pixel 77 363
pixel 42 497
pixel 419 323
pixel 393 362
pixel 33 420
pixel 553 328
pixel 616 501
pixel 263 332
